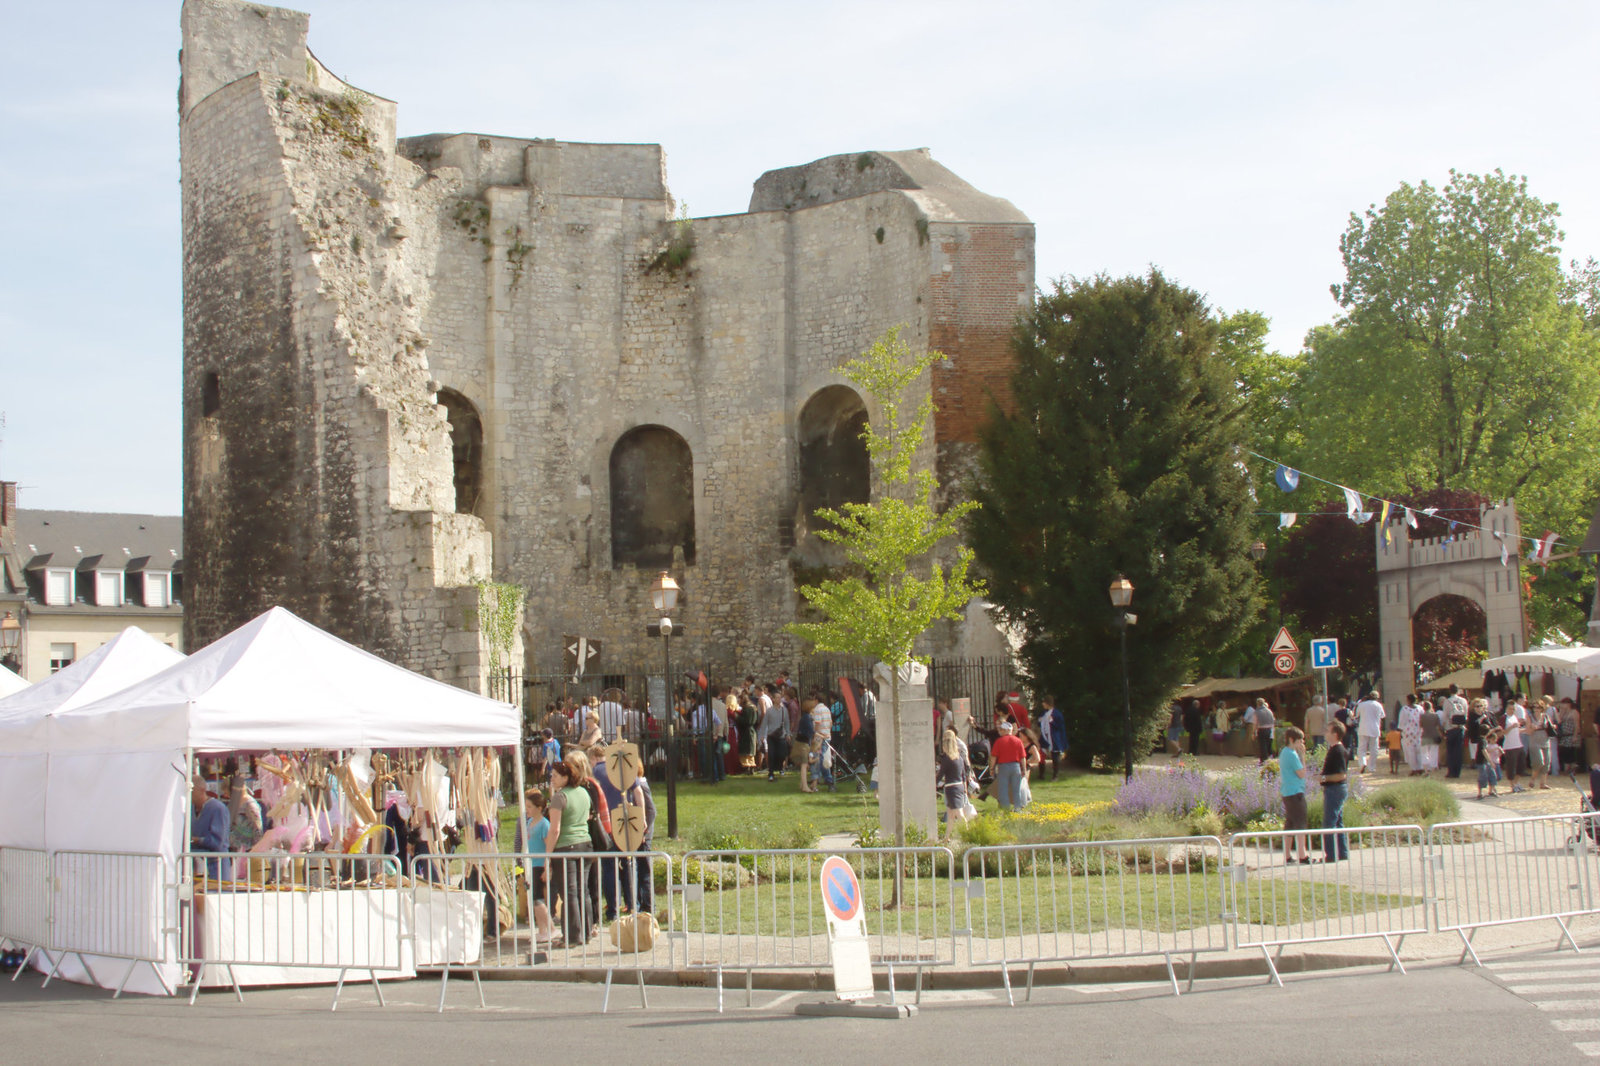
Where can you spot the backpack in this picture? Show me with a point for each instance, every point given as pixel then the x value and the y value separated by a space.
pixel 599 818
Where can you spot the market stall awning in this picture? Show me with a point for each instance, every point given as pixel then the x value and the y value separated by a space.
pixel 1239 686
pixel 1470 678
pixel 10 683
pixel 1581 663
pixel 126 659
pixel 280 682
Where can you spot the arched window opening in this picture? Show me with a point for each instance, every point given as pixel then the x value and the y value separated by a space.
pixel 834 466
pixel 466 449
pixel 652 498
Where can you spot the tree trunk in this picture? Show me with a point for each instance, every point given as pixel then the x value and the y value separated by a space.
pixel 899 787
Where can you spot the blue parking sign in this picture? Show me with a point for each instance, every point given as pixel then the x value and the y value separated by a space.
pixel 1325 654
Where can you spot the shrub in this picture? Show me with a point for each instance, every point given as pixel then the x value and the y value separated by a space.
pixel 1416 802
pixel 986 831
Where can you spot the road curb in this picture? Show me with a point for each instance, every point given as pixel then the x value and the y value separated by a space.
pixel 1051 973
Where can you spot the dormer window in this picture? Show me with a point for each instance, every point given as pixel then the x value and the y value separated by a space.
pixel 157 588
pixel 58 583
pixel 108 588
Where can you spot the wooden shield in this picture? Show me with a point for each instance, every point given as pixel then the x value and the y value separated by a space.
pixel 623 764
pixel 628 825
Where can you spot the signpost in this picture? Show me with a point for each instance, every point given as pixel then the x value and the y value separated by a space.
pixel 1325 657
pixel 849 948
pixel 1284 651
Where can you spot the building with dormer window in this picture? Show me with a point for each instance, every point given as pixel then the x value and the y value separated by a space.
pixel 75 579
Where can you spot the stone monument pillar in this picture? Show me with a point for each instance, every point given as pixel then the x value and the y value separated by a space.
pixel 914 735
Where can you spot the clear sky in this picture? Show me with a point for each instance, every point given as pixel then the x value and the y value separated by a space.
pixel 1225 142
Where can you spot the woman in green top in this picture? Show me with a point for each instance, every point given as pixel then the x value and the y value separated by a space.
pixel 570 879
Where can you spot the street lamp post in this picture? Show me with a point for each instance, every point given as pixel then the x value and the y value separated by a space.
pixel 10 640
pixel 664 597
pixel 1121 598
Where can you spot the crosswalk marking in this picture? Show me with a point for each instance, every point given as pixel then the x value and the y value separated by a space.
pixel 1570 986
pixel 1542 979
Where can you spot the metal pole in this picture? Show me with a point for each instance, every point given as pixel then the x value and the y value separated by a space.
pixel 672 738
pixel 1127 703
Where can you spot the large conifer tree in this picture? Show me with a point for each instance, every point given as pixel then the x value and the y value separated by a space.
pixel 1121 454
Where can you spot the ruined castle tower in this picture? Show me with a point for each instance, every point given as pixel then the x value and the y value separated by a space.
pixel 413 365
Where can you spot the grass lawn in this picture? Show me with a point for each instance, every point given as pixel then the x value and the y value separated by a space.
pixel 764 813
pixel 1045 903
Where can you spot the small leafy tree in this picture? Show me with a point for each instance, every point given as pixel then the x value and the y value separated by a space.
pixel 893 589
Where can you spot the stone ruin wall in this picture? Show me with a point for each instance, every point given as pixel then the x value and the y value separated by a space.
pixel 337 280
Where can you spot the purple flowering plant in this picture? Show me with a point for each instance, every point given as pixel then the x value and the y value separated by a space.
pixel 1240 797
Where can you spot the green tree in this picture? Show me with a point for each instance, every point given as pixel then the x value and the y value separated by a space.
pixel 1122 455
pixel 1465 358
pixel 893 589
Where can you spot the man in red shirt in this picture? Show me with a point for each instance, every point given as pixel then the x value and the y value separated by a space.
pixel 1009 754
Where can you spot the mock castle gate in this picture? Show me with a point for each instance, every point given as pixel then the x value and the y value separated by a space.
pixel 411 365
pixel 1481 565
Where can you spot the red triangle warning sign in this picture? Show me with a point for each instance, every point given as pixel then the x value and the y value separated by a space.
pixel 1283 642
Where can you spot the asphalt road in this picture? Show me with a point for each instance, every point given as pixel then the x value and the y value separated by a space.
pixel 1542 1008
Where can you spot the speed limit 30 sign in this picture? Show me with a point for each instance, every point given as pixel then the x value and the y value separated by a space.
pixel 1284 663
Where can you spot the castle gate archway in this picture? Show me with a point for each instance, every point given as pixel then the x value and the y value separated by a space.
pixel 1412 572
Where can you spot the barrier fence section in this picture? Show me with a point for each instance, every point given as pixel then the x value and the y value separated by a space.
pixel 111 905
pixel 1379 890
pixel 1518 870
pixel 25 901
pixel 762 910
pixel 275 913
pixel 502 913
pixel 1067 902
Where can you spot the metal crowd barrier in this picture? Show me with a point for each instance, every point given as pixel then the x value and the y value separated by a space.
pixel 25 902
pixel 277 911
pixel 1378 891
pixel 1518 870
pixel 1045 903
pixel 493 912
pixel 111 905
pixel 762 910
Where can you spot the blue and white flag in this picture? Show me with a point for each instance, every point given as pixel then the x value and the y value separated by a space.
pixel 1288 479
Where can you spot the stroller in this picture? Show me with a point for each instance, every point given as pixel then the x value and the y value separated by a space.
pixel 982 763
pixel 1588 811
pixel 843 767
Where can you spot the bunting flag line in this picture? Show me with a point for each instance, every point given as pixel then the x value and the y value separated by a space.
pixel 1286 519
pixel 1411 518
pixel 1383 520
pixel 1505 552
pixel 1352 503
pixel 1542 553
pixel 1288 479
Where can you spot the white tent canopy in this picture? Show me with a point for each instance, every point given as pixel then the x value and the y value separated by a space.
pixel 280 682
pixel 10 683
pixel 129 657
pixel 1581 663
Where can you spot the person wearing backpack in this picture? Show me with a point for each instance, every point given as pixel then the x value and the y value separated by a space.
pixel 574 881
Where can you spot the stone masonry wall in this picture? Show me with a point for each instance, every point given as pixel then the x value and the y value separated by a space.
pixel 338 280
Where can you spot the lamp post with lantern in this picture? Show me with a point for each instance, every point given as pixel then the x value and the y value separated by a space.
pixel 1121 598
pixel 10 641
pixel 664 599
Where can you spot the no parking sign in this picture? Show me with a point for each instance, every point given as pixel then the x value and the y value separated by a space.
pixel 847 930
